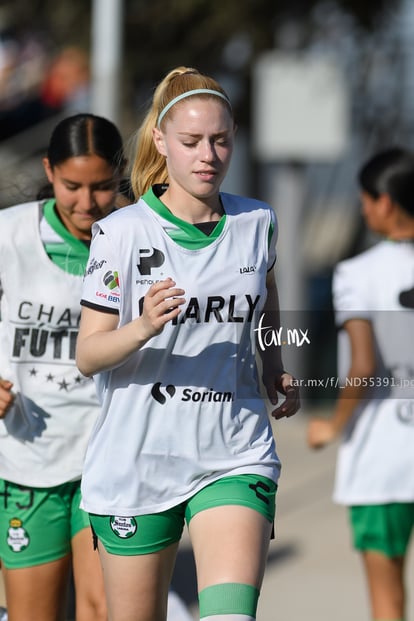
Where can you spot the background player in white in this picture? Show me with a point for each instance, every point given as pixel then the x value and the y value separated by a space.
pixel 374 413
pixel 47 408
pixel 184 433
pixel 84 164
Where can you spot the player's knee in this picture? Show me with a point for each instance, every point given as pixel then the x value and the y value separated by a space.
pixel 91 608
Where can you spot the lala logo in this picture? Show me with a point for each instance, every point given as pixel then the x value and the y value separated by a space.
pixel 248 269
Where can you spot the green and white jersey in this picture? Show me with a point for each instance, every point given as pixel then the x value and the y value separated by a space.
pixel 43 436
pixel 184 410
pixel 376 457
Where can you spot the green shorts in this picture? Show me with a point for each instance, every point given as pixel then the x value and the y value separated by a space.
pixel 145 534
pixel 385 528
pixel 37 524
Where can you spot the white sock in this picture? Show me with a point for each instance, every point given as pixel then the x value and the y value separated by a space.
pixel 177 610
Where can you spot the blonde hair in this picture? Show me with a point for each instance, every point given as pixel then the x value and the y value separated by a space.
pixel 149 165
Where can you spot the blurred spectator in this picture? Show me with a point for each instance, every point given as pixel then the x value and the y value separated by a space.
pixel 22 67
pixel 33 88
pixel 66 85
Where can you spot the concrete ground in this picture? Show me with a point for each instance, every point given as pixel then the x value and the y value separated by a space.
pixel 313 573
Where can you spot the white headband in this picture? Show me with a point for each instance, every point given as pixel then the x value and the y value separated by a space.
pixel 196 91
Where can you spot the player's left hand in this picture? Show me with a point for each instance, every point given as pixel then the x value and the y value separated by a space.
pixel 284 384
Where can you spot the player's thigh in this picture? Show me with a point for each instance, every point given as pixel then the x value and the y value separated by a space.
pixel 88 578
pixel 137 586
pixel 230 525
pixel 138 555
pixel 385 576
pixel 38 593
pixel 35 549
pixel 230 544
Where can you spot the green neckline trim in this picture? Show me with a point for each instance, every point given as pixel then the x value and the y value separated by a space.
pixel 52 218
pixel 186 234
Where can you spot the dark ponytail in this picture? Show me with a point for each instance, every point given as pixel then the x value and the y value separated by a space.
pixel 83 134
pixel 390 172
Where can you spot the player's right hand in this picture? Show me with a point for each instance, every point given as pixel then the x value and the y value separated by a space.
pixel 161 304
pixel 321 432
pixel 6 396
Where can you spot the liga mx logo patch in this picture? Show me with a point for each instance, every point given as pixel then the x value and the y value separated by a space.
pixel 123 527
pixel 111 280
